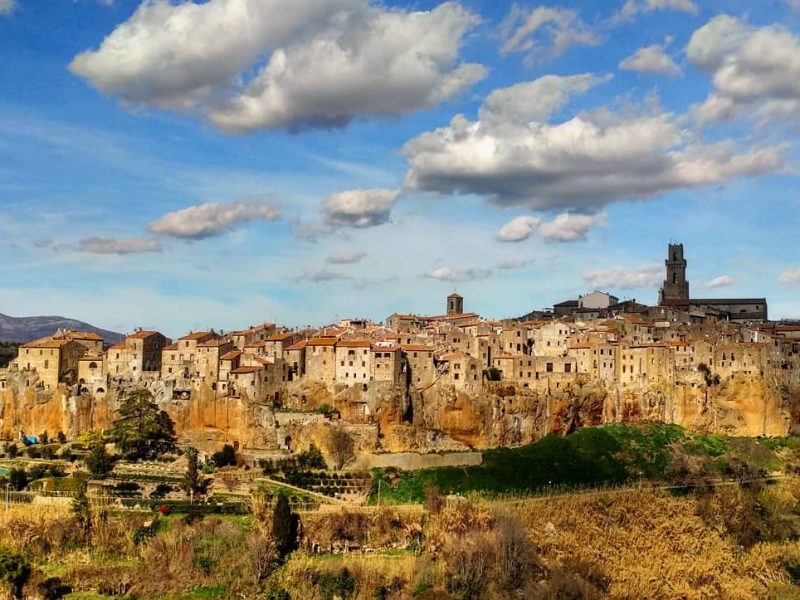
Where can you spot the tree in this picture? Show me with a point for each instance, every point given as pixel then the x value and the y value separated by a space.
pixel 12 451
pixel 81 507
pixel 193 482
pixel 99 461
pixel 340 447
pixel 225 457
pixel 312 458
pixel 284 525
pixel 142 431
pixel 44 438
pixel 18 479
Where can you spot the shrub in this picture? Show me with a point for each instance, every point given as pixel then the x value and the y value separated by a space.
pixel 164 509
pixel 341 585
pixel 225 457
pixel 161 491
pixel 18 479
pixel 14 570
pixel 469 561
pixel 62 438
pixel 312 458
pixel 278 594
pixel 99 461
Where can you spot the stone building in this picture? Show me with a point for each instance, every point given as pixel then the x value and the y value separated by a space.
pixel 55 360
pixel 421 367
pixel 140 353
pixel 321 359
pixel 675 294
pixel 354 362
pixel 455 305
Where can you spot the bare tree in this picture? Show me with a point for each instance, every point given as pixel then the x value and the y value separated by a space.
pixel 340 447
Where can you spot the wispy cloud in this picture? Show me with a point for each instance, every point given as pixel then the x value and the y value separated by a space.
pixel 98 245
pixel 345 258
pixel 213 218
pixel 720 281
pixel 625 278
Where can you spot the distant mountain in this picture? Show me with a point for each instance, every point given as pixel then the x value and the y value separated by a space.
pixel 25 329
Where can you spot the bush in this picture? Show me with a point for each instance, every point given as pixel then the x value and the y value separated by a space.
pixel 61 437
pixel 14 570
pixel 12 451
pixel 99 461
pixel 34 452
pixel 161 491
pixel 341 585
pixel 278 594
pixel 312 458
pixel 225 457
pixel 18 479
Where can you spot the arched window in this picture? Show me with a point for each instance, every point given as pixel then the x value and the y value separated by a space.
pixel 92 365
pixel 674 278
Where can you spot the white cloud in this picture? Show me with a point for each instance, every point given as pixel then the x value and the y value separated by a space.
pixel 97 245
pixel 566 227
pixel 7 6
pixel 754 70
pixel 518 229
pixel 720 282
pixel 212 218
pixel 345 258
pixel 651 59
pixel 327 61
pixel 582 163
pixel 544 32
pixel 790 277
pixel 449 274
pixel 359 208
pixel 535 100
pixel 321 276
pixel 625 278
pixel 635 7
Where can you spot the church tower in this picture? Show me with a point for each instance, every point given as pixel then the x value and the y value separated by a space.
pixel 455 305
pixel 675 285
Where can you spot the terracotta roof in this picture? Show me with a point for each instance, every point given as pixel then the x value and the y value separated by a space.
pixel 232 355
pixel 254 329
pixel 280 337
pixel 454 356
pixel 416 348
pixel 265 361
pixel 198 336
pixel 118 346
pixel 214 343
pixel 322 341
pixel 246 370
pixel 354 344
pixel 170 347
pixel 142 335
pixel 79 335
pixel 296 346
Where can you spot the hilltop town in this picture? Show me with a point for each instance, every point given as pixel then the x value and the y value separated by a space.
pixel 426 383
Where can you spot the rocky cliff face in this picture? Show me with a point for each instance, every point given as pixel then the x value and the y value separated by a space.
pixel 442 418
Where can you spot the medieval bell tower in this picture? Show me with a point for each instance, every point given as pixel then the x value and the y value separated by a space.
pixel 675 285
pixel 455 305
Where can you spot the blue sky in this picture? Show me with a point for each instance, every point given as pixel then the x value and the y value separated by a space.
pixel 218 164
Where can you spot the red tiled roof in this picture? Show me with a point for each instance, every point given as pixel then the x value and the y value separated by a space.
pixel 232 355
pixel 246 370
pixel 322 341
pixel 142 335
pixel 354 344
pixel 296 346
pixel 198 336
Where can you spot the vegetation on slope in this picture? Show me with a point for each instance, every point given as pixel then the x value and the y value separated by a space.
pixel 597 456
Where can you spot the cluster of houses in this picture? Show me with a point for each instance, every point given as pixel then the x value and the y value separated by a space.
pixel 630 346
pixel 595 337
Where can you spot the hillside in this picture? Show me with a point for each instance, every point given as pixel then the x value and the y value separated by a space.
pixel 24 329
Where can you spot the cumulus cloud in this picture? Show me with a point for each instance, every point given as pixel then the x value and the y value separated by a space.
pixel 326 62
pixel 566 227
pixel 651 59
pixel 345 258
pixel 518 229
pixel 450 274
pixel 635 7
pixel 790 277
pixel 579 164
pixel 544 32
pixel 535 100
pixel 754 70
pixel 720 282
pixel 98 245
pixel 7 6
pixel 359 208
pixel 212 218
pixel 625 278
